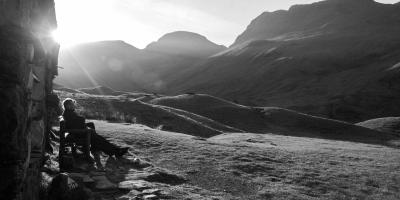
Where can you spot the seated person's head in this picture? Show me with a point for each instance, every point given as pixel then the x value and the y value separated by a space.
pixel 69 104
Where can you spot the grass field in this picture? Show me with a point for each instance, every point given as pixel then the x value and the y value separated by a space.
pixel 290 155
pixel 254 166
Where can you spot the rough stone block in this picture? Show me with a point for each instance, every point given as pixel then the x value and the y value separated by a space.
pixel 150 197
pixel 151 191
pixel 135 185
pixel 132 195
pixel 38 89
pixel 37 134
pixel 102 183
pixel 138 175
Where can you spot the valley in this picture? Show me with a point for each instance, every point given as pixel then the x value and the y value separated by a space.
pixel 289 155
pixel 280 60
pixel 303 105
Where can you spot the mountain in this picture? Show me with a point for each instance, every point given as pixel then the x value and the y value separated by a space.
pixel 106 63
pixel 118 65
pixel 337 58
pixel 173 53
pixel 185 43
pixel 330 16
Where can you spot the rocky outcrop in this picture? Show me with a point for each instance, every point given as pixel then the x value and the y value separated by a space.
pixel 28 64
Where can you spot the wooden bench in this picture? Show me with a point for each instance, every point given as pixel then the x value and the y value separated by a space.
pixel 78 138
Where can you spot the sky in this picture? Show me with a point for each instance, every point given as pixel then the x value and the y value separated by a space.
pixel 140 22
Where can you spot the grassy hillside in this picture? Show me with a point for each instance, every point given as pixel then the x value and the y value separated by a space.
pixel 207 116
pixel 126 109
pixel 293 123
pixel 387 124
pixel 220 110
pixel 268 166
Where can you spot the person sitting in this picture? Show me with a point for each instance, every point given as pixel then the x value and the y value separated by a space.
pixel 98 143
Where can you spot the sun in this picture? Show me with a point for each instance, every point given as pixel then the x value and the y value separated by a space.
pixel 55 34
pixel 65 39
pixel 69 37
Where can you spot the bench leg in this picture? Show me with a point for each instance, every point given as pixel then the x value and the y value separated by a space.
pixel 61 152
pixel 87 146
pixel 74 149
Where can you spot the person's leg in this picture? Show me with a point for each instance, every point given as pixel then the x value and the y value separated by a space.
pixel 99 143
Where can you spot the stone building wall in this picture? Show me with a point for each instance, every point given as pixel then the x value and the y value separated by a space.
pixel 28 64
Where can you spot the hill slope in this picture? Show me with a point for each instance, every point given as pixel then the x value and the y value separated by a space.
pixel 189 114
pixel 101 90
pixel 273 120
pixel 387 124
pixel 123 108
pixel 338 59
pixel 229 113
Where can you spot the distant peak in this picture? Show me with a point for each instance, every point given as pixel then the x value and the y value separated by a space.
pixel 182 35
pixel 337 2
pixel 108 42
pixel 346 1
pixel 185 43
pixel 318 18
pixel 117 42
pixel 351 2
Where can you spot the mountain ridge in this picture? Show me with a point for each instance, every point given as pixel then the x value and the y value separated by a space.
pixel 335 59
pixel 323 16
pixel 182 42
pixel 330 70
pixel 119 65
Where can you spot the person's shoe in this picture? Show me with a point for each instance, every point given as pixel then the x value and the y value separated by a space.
pixel 121 151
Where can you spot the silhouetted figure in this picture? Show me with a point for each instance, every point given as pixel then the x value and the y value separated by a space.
pixel 98 143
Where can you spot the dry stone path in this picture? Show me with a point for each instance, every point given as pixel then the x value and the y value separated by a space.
pixel 126 178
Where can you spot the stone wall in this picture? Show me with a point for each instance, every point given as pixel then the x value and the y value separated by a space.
pixel 28 64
